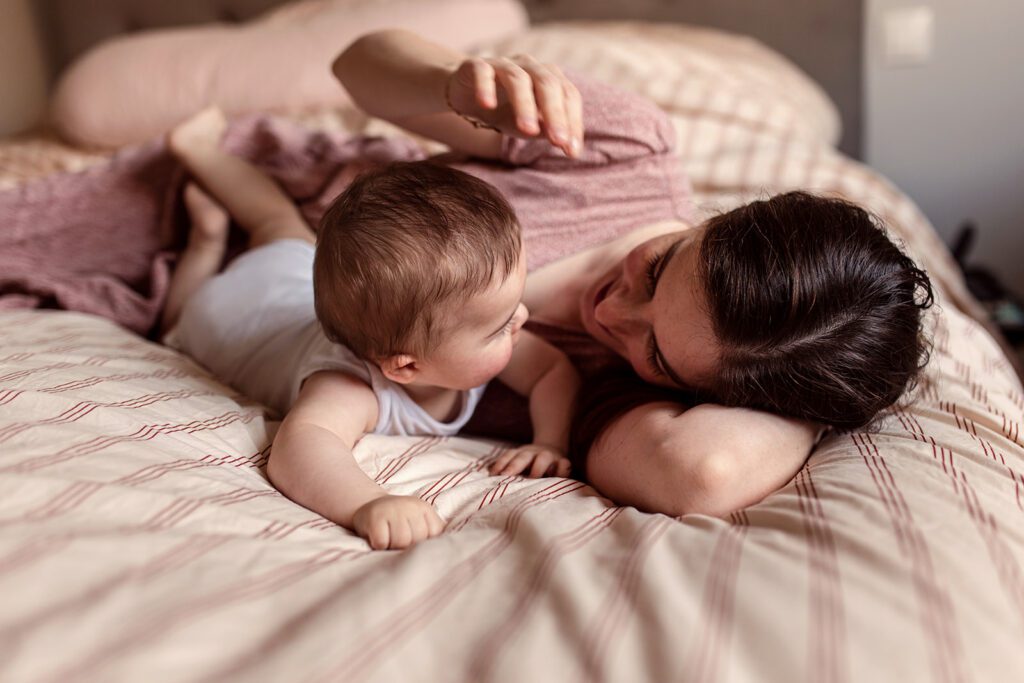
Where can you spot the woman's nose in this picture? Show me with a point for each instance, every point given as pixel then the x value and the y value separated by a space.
pixel 617 313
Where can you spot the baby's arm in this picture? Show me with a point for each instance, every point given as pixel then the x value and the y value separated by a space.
pixel 311 462
pixel 544 373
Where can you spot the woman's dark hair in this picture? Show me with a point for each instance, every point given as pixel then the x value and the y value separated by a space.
pixel 817 313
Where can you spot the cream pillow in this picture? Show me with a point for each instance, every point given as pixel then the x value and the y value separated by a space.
pixel 135 87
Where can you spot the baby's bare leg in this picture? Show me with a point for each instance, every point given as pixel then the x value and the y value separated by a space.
pixel 207 241
pixel 253 199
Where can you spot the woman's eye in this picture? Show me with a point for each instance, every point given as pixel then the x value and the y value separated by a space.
pixel 652 358
pixel 652 273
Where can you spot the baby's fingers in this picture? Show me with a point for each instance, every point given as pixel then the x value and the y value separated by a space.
pixel 401 534
pixel 545 464
pixel 379 535
pixel 519 463
pixel 505 458
pixel 563 467
pixel 435 525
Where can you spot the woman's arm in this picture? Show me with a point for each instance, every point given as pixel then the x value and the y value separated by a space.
pixel 708 459
pixel 398 76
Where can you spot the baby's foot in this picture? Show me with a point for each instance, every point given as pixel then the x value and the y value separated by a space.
pixel 210 222
pixel 202 131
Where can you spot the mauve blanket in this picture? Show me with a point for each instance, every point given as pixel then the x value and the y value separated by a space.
pixel 102 241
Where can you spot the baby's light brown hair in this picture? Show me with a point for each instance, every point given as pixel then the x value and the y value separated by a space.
pixel 400 248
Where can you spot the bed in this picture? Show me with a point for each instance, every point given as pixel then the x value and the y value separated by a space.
pixel 141 540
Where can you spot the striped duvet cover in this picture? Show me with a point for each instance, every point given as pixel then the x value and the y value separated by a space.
pixel 140 539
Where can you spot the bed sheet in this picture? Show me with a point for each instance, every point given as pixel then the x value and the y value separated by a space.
pixel 140 539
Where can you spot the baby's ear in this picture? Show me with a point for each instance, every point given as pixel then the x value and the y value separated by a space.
pixel 401 368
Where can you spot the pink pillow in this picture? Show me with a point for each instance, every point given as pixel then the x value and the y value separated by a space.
pixel 133 88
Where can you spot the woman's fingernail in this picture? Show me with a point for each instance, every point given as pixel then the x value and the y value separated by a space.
pixel 576 146
pixel 560 134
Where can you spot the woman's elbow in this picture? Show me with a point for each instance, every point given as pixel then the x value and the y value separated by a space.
pixel 706 482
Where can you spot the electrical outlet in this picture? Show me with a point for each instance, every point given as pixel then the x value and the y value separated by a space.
pixel 908 34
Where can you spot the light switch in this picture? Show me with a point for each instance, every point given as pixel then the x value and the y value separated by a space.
pixel 908 34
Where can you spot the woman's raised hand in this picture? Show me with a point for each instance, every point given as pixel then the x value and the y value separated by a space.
pixel 519 96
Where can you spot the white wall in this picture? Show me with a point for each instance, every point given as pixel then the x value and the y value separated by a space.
pixel 23 68
pixel 950 132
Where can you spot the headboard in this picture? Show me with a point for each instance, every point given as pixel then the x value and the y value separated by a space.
pixel 73 26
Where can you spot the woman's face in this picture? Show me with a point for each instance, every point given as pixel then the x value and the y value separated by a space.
pixel 649 308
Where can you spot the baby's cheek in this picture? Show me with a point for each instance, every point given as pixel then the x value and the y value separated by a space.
pixel 493 364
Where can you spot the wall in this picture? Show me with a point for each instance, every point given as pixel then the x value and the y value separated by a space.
pixel 823 37
pixel 23 68
pixel 950 133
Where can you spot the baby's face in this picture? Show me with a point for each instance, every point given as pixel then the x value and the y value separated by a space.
pixel 479 336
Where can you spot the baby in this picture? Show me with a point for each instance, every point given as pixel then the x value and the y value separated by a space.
pixel 393 324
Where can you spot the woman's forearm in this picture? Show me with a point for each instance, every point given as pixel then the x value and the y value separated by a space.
pixel 662 457
pixel 396 74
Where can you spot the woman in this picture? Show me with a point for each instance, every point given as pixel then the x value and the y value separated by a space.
pixel 727 309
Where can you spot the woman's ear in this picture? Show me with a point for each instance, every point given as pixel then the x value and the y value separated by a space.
pixel 401 368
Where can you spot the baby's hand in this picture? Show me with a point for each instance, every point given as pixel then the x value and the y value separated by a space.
pixel 546 461
pixel 393 522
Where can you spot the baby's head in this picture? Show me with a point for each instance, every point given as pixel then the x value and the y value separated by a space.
pixel 419 269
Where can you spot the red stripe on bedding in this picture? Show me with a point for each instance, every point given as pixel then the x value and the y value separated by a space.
pixel 243 589
pixel 489 647
pixel 598 641
pixel 455 477
pixel 404 621
pixel 31 552
pixel 704 658
pixel 935 607
pixel 83 408
pixel 97 379
pixel 1003 560
pixel 177 558
pixel 62 503
pixel 826 633
pixel 144 433
pixel 395 465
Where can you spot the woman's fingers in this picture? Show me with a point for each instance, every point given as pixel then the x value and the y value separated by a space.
pixel 573 109
pixel 550 95
pixel 483 82
pixel 518 87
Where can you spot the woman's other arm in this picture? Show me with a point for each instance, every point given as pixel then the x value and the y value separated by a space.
pixel 708 459
pixel 398 76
